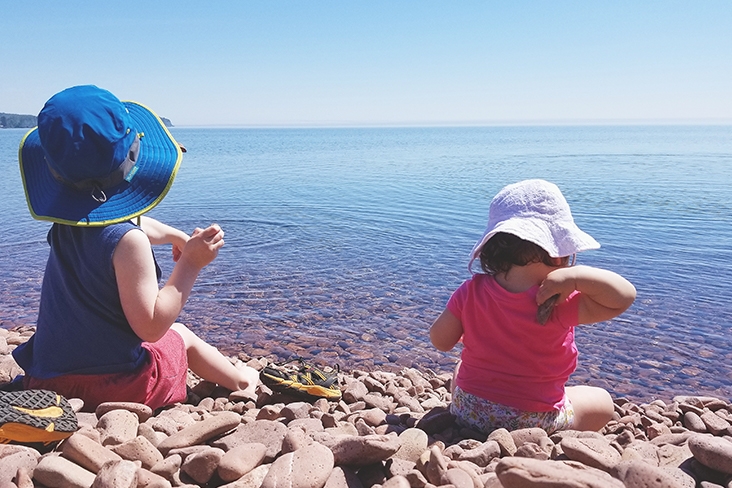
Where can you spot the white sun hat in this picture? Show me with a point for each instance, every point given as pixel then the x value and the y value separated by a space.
pixel 536 211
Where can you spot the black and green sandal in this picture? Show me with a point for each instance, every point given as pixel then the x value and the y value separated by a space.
pixel 305 380
pixel 35 417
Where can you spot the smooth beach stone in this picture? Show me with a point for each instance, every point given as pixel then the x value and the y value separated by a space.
pixel 87 453
pixel 505 441
pixel 308 467
pixel 202 466
pixel 201 432
pixel 58 472
pixel 637 474
pixel 343 477
pixel 436 465
pixel 117 426
pixel 148 479
pixel 532 434
pixel 308 425
pixel 267 432
pixel 436 420
pixel 399 482
pixel 398 467
pixel 252 479
pixel 483 454
pixel 597 453
pixel 240 460
pixel 269 412
pixel 712 452
pixel 694 423
pixel 168 466
pixel 295 438
pixel 457 478
pixel 413 444
pixel 26 459
pixel 116 474
pixel 296 410
pixel 373 416
pixel 516 472
pixel 142 411
pixel 139 449
pixel 23 479
pixel 365 450
pixel 671 455
pixel 714 423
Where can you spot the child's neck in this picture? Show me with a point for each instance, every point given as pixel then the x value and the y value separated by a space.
pixel 518 279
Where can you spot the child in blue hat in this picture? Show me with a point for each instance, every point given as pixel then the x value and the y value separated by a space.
pixel 105 330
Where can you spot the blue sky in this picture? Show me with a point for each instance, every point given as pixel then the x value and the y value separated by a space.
pixel 276 63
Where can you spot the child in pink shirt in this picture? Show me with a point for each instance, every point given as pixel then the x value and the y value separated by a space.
pixel 516 320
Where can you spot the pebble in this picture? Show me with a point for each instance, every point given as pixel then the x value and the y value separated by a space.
pixel 390 430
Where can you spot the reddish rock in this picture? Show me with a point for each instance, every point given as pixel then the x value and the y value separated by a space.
pixel 308 467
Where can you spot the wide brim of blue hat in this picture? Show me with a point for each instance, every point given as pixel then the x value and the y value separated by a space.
pixel 156 167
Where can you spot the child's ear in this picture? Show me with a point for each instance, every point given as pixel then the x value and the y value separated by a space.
pixel 560 262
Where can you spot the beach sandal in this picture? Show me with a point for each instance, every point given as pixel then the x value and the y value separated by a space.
pixel 35 417
pixel 303 380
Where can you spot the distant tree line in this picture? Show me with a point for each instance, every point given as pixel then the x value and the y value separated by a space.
pixel 17 121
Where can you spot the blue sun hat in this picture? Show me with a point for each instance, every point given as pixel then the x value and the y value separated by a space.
pixel 536 211
pixel 94 160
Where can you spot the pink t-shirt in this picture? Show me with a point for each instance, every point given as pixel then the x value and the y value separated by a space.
pixel 508 357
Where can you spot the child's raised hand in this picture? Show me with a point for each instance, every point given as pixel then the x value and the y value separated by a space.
pixel 561 281
pixel 203 246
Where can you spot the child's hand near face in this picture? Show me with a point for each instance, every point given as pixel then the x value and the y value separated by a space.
pixel 604 294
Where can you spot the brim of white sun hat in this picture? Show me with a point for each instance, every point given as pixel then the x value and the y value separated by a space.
pixel 536 211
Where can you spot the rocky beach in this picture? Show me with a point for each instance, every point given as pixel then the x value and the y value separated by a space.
pixel 390 430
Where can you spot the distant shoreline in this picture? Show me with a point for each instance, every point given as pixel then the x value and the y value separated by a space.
pixel 22 121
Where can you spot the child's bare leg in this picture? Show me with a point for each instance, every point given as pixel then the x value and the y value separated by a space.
pixel 593 407
pixel 208 363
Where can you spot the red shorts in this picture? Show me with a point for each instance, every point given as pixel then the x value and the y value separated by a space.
pixel 160 381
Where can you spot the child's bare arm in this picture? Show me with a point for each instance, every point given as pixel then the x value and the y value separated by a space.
pixel 149 310
pixel 160 233
pixel 446 331
pixel 604 294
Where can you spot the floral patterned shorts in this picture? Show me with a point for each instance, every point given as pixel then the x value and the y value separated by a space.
pixel 486 416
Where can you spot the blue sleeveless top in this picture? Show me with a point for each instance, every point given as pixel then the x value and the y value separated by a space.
pixel 81 327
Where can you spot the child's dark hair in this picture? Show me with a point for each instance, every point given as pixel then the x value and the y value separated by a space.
pixel 502 251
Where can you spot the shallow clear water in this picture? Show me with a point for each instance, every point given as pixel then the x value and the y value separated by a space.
pixel 343 245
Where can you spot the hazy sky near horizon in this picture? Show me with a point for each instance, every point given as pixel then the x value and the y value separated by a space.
pixel 278 63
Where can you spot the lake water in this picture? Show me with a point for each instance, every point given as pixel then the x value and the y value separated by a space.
pixel 343 245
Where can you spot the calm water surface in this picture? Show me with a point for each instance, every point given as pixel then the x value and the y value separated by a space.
pixel 344 244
